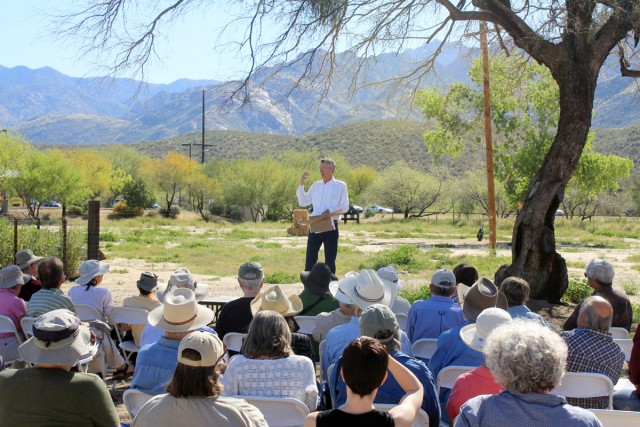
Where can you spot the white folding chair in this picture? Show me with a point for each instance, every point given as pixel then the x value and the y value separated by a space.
pixel 585 385
pixel 233 340
pixel 8 327
pixel 610 418
pixel 448 376
pixel 134 400
pixel 87 313
pixel 626 345
pixel 619 333
pixel 306 323
pixel 421 419
pixel 130 316
pixel 402 321
pixel 27 326
pixel 320 349
pixel 279 411
pixel 424 348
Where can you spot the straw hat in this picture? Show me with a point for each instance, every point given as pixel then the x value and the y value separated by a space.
pixel 475 334
pixel 58 338
pixel 90 269
pixel 182 278
pixel 366 288
pixel 274 299
pixel 180 312
pixel 25 258
pixel 483 294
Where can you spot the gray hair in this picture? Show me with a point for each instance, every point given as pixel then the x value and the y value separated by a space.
pixel 525 356
pixel 600 270
pixel 330 162
pixel 268 337
pixel 594 317
pixel 250 284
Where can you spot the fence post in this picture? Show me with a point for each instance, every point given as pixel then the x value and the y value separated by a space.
pixel 15 238
pixel 64 244
pixel 93 232
pixel 38 223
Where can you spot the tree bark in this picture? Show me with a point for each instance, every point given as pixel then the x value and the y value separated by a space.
pixel 533 252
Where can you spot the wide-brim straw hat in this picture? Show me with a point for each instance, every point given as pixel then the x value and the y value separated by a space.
pixel 274 299
pixel 475 335
pixel 483 294
pixel 25 258
pixel 180 312
pixel 366 288
pixel 90 269
pixel 334 288
pixel 59 339
pixel 182 278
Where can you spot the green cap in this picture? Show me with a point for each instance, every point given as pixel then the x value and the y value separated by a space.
pixel 378 318
pixel 250 271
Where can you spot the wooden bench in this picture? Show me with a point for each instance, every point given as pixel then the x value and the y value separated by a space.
pixel 355 216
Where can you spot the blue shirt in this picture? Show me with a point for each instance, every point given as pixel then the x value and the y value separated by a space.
pixel 510 408
pixel 452 351
pixel 155 366
pixel 390 391
pixel 429 318
pixel 523 312
pixel 339 337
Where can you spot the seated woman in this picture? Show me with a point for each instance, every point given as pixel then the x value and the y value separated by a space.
pixel 194 391
pixel 87 291
pixel 11 281
pixel 528 360
pixel 267 365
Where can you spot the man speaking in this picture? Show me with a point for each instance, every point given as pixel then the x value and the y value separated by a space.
pixel 327 196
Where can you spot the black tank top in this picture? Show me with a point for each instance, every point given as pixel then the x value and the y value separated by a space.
pixel 338 418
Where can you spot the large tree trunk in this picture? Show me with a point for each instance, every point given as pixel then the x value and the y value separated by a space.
pixel 533 253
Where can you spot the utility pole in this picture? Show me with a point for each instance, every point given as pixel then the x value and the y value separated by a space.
pixel 188 145
pixel 488 135
pixel 203 144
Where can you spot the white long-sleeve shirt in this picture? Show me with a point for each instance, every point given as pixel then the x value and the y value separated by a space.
pixel 331 196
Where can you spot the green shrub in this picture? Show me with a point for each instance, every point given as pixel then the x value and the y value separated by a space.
pixel 415 294
pixel 174 211
pixel 636 312
pixel 217 209
pixel 108 236
pixel 235 212
pixel 576 291
pixel 404 257
pixel 368 214
pixel 281 278
pixel 126 211
pixel 77 210
pixel 630 288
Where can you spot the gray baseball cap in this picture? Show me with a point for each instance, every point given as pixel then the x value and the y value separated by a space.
pixel 444 279
pixel 250 271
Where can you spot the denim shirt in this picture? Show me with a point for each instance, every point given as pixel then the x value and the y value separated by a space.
pixel 431 317
pixel 522 311
pixel 155 366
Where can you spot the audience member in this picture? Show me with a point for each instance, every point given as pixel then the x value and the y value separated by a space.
pixel 11 281
pixel 327 321
pixel 451 349
pixel 591 348
pixel 379 322
pixel 364 368
pixel 195 390
pixel 629 400
pixel 51 394
pixel 466 274
pixel 599 274
pixel 389 273
pixel 147 285
pixel 429 318
pixel 180 315
pixel 315 296
pixel 516 290
pixel 236 315
pixel 267 365
pixel 480 380
pixel 274 299
pixel 28 263
pixel 87 291
pixel 50 297
pixel 528 360
pixel 182 278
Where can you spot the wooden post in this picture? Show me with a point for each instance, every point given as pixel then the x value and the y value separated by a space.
pixel 15 238
pixel 93 231
pixel 64 246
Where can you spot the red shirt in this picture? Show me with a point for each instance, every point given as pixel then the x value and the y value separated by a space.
pixel 472 384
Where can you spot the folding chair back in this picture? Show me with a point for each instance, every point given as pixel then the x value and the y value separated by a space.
pixel 610 418
pixel 27 326
pixel 424 348
pixel 402 320
pixel 279 411
pixel 584 385
pixel 130 316
pixel 421 419
pixel 448 376
pixel 134 400
pixel 233 340
pixel 626 345
pixel 306 323
pixel 87 313
pixel 8 327
pixel 619 333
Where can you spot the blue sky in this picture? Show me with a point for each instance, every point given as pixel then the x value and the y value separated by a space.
pixel 189 52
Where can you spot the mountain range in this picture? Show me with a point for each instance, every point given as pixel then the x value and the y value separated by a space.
pixel 46 106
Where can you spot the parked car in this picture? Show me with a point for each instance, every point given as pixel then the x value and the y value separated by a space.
pixel 155 206
pixel 379 209
pixel 559 212
pixel 355 209
pixel 51 204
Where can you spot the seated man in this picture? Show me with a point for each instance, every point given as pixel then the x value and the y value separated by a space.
pixel 517 290
pixel 629 400
pixel 591 348
pixel 379 322
pixel 11 281
pixel 180 315
pixel 147 286
pixel 431 317
pixel 28 263
pixel 50 297
pixel 599 274
pixel 51 394
pixel 364 368
pixel 528 360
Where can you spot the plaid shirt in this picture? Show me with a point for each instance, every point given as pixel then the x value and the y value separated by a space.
pixel 593 351
pixel 622 311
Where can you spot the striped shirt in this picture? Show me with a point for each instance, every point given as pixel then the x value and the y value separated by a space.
pixel 46 300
